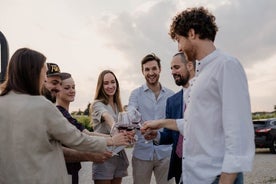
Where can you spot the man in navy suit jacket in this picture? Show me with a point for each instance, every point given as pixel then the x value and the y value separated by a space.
pixel 182 71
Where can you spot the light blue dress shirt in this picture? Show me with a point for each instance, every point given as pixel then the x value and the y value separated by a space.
pixel 143 99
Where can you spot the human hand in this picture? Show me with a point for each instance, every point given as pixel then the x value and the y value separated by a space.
pixel 151 125
pixel 130 136
pixel 120 139
pixel 150 135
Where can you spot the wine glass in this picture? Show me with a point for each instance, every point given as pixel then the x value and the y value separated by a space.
pixel 124 123
pixel 136 119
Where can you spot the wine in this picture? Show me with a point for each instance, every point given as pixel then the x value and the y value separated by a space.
pixel 125 127
pixel 130 128
pixel 137 125
pixel 122 127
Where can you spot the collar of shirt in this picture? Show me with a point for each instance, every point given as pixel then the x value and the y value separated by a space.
pixel 145 87
pixel 205 61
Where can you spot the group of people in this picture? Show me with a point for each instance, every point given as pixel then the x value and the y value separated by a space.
pixel 202 134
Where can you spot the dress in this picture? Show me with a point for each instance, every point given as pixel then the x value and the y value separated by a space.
pixel 218 129
pixel 32 130
pixel 72 168
pixel 116 166
pixel 144 100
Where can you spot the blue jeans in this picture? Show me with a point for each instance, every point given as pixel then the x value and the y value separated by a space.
pixel 239 179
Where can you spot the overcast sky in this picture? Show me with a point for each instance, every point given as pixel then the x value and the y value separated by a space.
pixel 85 37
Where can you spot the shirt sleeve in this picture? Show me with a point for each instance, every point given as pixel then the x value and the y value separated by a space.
pixel 180 125
pixel 237 121
pixel 98 109
pixel 59 129
pixel 133 100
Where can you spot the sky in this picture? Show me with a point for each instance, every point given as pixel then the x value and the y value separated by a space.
pixel 85 37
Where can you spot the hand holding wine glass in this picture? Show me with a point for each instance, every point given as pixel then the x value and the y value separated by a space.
pixel 124 125
pixel 136 119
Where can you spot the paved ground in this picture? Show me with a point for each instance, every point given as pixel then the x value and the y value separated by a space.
pixel 264 170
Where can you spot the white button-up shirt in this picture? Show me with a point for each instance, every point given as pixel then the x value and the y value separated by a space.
pixel 218 129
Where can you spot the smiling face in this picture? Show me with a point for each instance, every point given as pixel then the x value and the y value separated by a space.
pixel 109 84
pixel 151 72
pixel 67 91
pixel 179 71
pixel 53 84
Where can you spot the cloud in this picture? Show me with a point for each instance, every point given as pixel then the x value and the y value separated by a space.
pixel 246 31
pixel 140 32
pixel 88 36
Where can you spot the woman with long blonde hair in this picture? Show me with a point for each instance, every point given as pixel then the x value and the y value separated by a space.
pixel 104 111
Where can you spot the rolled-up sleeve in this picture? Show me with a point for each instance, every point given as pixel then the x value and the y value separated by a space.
pixel 237 120
pixel 180 125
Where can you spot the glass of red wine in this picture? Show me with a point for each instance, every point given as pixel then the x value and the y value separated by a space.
pixel 123 123
pixel 136 119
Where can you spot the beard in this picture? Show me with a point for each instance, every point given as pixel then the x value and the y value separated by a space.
pixel 183 80
pixel 48 94
pixel 153 82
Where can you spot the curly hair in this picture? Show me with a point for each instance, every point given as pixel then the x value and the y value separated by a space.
pixel 199 19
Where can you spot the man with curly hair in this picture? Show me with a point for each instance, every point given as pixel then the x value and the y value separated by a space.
pixel 218 142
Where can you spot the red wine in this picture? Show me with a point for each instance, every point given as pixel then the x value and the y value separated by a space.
pixel 136 125
pixel 122 127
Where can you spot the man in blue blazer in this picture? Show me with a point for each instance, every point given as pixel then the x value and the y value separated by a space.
pixel 182 71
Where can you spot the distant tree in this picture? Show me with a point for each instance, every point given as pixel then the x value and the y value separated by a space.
pixel 86 111
pixel 79 112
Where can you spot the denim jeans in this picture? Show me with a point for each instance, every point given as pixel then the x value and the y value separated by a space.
pixel 239 179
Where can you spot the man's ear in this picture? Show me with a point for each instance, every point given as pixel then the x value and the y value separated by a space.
pixel 191 33
pixel 190 66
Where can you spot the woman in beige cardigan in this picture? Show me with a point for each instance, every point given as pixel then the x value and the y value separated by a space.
pixel 32 129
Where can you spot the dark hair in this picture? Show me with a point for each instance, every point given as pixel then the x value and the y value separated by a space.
pixel 199 19
pixel 184 59
pixel 100 93
pixel 23 72
pixel 150 57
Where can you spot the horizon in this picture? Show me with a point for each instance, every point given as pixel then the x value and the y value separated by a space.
pixel 88 36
